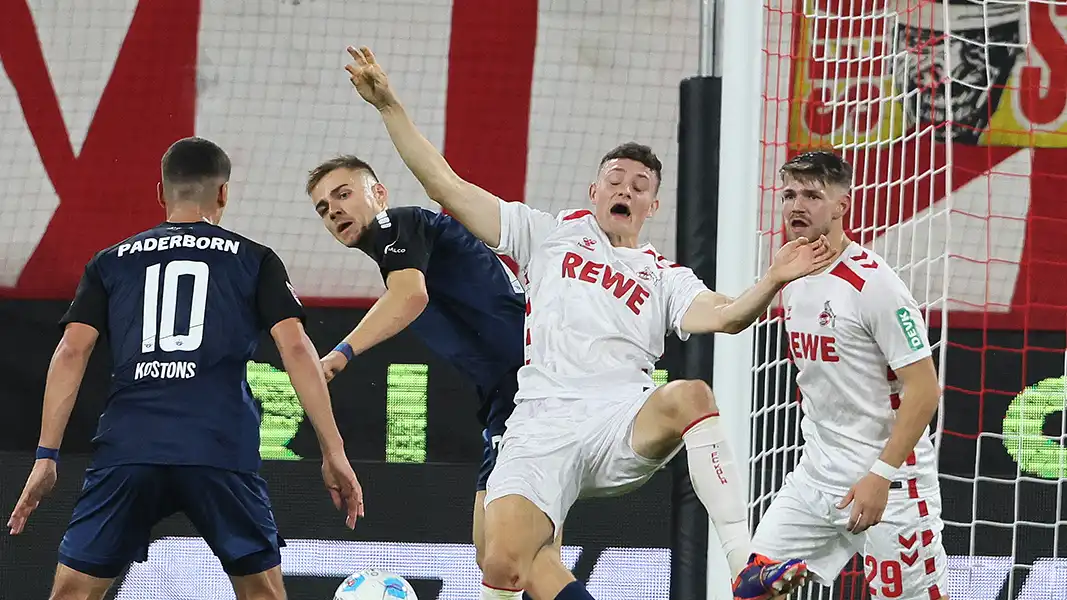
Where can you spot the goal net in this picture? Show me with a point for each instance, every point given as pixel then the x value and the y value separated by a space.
pixel 953 113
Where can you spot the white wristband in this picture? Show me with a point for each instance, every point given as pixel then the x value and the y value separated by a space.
pixel 883 470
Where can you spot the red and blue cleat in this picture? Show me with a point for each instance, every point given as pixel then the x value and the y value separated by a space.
pixel 764 578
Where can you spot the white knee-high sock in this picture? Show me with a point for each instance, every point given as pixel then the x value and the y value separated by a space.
pixel 717 483
pixel 492 593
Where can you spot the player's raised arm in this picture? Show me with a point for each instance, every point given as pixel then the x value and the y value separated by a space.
pixel 712 312
pixel 476 208
pixel 84 320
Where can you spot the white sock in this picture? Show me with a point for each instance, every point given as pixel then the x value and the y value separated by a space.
pixel 717 484
pixel 492 593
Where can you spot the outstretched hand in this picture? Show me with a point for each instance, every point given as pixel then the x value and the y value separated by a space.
pixel 369 79
pixel 344 488
pixel 799 258
pixel 39 484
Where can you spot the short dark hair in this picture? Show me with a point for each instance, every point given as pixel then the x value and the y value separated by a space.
pixel 191 162
pixel 822 166
pixel 637 152
pixel 344 161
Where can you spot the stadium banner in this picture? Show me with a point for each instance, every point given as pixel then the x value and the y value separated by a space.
pixel 853 78
pixel 856 87
pixel 417 524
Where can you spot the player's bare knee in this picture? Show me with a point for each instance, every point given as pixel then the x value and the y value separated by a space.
pixel 73 585
pixel 685 401
pixel 267 585
pixel 503 568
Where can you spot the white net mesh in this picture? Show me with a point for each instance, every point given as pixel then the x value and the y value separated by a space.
pixel 947 109
pixel 272 92
pixel 606 73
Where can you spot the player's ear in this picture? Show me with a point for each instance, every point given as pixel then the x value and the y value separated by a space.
pixel 652 208
pixel 224 194
pixel 159 195
pixel 843 204
pixel 592 192
pixel 381 195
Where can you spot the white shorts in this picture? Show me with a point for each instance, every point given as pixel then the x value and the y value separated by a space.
pixel 904 557
pixel 556 451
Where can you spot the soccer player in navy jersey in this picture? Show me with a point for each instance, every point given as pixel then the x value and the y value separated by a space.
pixel 183 305
pixel 447 285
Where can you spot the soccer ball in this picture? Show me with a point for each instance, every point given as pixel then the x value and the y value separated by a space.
pixel 374 584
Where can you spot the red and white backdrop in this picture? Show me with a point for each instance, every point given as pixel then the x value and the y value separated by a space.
pixel 523 97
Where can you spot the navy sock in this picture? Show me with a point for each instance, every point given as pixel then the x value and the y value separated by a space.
pixel 574 591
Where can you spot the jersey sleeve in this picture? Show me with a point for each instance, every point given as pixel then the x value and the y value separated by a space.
pixel 522 229
pixel 893 318
pixel 682 287
pixel 276 300
pixel 90 305
pixel 408 242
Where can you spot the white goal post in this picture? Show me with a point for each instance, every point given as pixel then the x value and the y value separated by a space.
pixel 741 62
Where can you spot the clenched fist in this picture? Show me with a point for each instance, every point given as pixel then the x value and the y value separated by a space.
pixel 332 364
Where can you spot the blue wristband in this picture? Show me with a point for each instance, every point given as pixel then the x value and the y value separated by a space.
pixel 346 349
pixel 49 453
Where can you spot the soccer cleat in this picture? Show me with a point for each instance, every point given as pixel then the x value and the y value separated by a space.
pixel 764 578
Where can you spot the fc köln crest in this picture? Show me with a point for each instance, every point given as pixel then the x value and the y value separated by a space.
pixel 826 317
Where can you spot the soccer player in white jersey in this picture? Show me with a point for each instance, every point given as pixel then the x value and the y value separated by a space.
pixel 867 480
pixel 588 419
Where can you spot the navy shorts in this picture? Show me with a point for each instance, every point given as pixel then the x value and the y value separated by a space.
pixel 118 506
pixel 500 403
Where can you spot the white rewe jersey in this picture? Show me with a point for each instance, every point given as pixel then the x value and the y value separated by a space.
pixel 597 316
pixel 848 328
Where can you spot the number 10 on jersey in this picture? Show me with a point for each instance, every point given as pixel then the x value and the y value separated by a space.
pixel 159 322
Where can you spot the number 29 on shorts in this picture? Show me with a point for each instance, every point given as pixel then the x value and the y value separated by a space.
pixel 884 578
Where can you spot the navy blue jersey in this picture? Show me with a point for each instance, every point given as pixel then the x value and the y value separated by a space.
pixel 182 305
pixel 475 314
